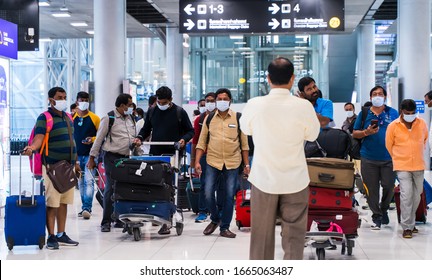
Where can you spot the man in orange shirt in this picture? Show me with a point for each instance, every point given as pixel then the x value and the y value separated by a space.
pixel 406 142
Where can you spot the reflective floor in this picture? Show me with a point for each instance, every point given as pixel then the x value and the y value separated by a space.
pixel 386 244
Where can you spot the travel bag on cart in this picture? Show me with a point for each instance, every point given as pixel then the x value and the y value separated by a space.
pixel 326 198
pixel 157 173
pixel 25 218
pixel 192 191
pixel 336 142
pixel 331 173
pixel 147 193
pixel 160 209
pixel 421 212
pixel 348 220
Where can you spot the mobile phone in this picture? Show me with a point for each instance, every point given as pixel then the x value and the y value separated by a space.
pixel 86 140
pixel 374 123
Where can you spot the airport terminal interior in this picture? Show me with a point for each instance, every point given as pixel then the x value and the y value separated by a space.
pixel 161 45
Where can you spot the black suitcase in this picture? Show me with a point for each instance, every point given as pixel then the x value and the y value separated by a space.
pixel 193 192
pixel 147 193
pixel 182 200
pixel 154 173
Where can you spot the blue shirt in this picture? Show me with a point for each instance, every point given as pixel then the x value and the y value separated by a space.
pixel 373 146
pixel 324 107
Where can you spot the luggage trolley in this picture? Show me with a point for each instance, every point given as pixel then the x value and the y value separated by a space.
pixel 135 219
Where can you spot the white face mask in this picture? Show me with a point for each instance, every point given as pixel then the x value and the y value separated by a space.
pixel 409 118
pixel 202 109
pixel 83 106
pixel 162 107
pixel 349 114
pixel 210 106
pixel 129 111
pixel 222 105
pixel 377 101
pixel 60 105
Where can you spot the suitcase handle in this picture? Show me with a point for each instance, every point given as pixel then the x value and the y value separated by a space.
pixel 325 177
pixel 33 200
pixel 26 203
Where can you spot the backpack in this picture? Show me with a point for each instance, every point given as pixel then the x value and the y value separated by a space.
pixel 356 143
pixel 36 158
pixel 111 119
pixel 335 142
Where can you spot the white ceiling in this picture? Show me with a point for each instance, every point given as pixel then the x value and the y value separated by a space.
pixel 82 10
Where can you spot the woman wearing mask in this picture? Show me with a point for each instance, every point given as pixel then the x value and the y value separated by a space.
pixel 348 124
pixel 376 163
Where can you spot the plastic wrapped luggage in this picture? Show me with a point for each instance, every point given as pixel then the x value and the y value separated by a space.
pixel 327 199
pixel 146 193
pixel 421 213
pixel 331 173
pixel 25 218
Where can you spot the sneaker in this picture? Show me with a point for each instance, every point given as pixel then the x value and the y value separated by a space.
pixel 415 230
pixel 52 243
pixel 385 219
pixel 392 206
pixel 407 233
pixel 80 214
pixel 86 214
pixel 376 226
pixel 65 240
pixel 202 217
pixel 106 227
pixel 164 230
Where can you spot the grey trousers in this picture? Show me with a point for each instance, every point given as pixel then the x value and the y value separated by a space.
pixel 411 187
pixel 293 211
pixel 376 173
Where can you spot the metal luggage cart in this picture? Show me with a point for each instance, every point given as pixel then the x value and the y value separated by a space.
pixel 134 221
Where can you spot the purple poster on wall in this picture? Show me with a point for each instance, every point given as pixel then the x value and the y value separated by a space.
pixel 8 39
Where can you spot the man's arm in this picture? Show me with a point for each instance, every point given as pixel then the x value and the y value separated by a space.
pixel 389 138
pixel 35 145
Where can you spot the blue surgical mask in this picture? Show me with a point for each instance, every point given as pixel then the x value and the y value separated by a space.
pixel 222 105
pixel 377 101
pixel 162 107
pixel 409 118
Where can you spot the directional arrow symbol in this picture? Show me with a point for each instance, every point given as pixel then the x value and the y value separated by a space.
pixel 274 24
pixel 274 9
pixel 189 9
pixel 189 24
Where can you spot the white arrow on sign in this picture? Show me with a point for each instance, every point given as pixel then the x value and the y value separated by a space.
pixel 274 9
pixel 189 24
pixel 189 9
pixel 274 24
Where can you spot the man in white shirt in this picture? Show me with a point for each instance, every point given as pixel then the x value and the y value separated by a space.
pixel 279 124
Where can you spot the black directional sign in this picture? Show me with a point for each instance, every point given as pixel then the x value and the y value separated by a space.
pixel 261 16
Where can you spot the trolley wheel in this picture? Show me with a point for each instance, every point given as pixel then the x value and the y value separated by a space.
pixel 343 248
pixel 10 243
pixel 41 242
pixel 350 245
pixel 10 246
pixel 179 228
pixel 137 234
pixel 129 230
pixel 320 253
pixel 239 225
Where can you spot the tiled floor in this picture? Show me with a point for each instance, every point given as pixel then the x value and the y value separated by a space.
pixel 386 244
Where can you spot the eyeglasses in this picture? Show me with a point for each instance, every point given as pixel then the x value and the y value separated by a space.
pixel 80 123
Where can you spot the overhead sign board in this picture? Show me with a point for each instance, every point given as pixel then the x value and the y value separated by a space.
pixel 261 16
pixel 8 39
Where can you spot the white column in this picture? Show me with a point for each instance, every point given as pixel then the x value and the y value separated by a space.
pixel 366 60
pixel 109 50
pixel 414 28
pixel 174 63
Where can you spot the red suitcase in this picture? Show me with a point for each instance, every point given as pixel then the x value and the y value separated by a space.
pixel 243 208
pixel 101 180
pixel 347 220
pixel 421 212
pixel 326 198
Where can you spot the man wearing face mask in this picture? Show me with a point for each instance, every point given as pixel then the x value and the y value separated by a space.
pixel 209 106
pixel 226 148
pixel 60 147
pixel 376 162
pixel 86 124
pixel 323 107
pixel 406 141
pixel 351 117
pixel 115 137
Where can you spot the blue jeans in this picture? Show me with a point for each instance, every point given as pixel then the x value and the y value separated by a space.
pixel 85 184
pixel 229 180
pixel 202 206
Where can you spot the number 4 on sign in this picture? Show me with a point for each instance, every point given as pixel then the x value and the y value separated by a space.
pixel 296 8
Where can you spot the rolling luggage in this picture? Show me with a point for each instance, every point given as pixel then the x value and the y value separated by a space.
pixel 193 189
pixel 325 198
pixel 138 192
pixel 421 213
pixel 160 209
pixel 347 220
pixel 100 183
pixel 182 198
pixel 156 173
pixel 242 208
pixel 25 218
pixel 331 173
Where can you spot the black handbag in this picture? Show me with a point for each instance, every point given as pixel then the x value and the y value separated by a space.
pixel 62 176
pixel 313 149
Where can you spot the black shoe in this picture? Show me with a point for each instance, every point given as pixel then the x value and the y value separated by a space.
pixel 52 243
pixel 385 219
pixel 164 230
pixel 118 224
pixel 65 240
pixel 105 228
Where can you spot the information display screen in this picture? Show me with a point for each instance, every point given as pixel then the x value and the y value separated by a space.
pixel 261 16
